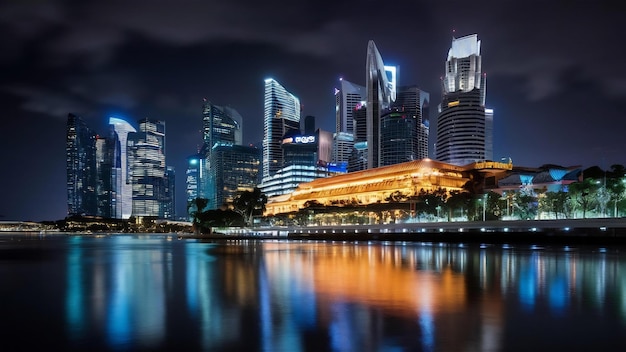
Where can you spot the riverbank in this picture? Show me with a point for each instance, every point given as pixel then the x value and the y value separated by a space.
pixel 608 232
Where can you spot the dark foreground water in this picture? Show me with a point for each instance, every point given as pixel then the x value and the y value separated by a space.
pixel 155 292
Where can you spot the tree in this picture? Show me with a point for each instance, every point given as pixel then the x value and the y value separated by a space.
pixel 457 200
pixel 615 185
pixel 556 202
pixel 493 210
pixel 250 203
pixel 194 209
pixel 582 194
pixel 430 202
pixel 524 205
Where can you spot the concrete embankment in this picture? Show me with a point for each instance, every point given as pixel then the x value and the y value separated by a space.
pixel 567 232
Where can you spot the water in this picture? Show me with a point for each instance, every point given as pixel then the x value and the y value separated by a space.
pixel 155 292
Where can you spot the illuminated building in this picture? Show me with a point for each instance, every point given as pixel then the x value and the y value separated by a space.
pixel 380 94
pixel 404 128
pixel 347 98
pixel 80 150
pixel 464 126
pixel 125 193
pixel 358 156
pixel 169 198
pixel 220 124
pixel 193 177
pixel 306 158
pixel 234 168
pixel 376 185
pixel 147 172
pixel 109 179
pixel 281 114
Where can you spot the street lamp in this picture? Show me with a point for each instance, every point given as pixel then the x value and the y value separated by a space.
pixel 484 204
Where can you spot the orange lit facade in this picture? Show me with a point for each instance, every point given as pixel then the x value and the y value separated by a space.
pixel 376 185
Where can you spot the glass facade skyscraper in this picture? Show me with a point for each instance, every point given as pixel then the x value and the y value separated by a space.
pixel 404 127
pixel 80 151
pixel 147 171
pixel 125 193
pixel 108 155
pixel 464 126
pixel 348 97
pixel 220 124
pixel 380 93
pixel 281 114
pixel 234 168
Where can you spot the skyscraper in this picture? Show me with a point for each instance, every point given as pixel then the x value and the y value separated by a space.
pixel 281 114
pixel 464 131
pixel 147 171
pixel 220 124
pixel 125 193
pixel 347 98
pixel 80 150
pixel 108 166
pixel 169 198
pixel 380 94
pixel 404 127
pixel 234 168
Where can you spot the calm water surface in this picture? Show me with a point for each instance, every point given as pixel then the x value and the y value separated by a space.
pixel 155 292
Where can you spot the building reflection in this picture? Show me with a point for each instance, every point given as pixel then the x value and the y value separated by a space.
pixel 332 296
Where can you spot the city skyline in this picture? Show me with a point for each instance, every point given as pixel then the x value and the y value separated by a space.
pixel 553 84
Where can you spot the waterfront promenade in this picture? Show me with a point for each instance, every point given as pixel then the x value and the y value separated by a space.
pixel 601 230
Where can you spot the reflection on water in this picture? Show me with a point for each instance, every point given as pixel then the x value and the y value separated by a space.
pixel 160 293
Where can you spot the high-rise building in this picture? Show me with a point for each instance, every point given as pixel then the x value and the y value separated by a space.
pixel 125 192
pixel 234 168
pixel 147 170
pixel 220 124
pixel 194 175
pixel 169 198
pixel 80 150
pixel 281 114
pixel 358 155
pixel 380 86
pixel 348 97
pixel 404 127
pixel 306 157
pixel 464 127
pixel 108 166
pixel 227 166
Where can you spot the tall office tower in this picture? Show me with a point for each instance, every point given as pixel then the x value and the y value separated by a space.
pixel 108 166
pixel 169 198
pixel 358 156
pixel 404 127
pixel 234 168
pixel 281 114
pixel 464 131
pixel 80 149
pixel 125 192
pixel 146 163
pixel 193 175
pixel 380 94
pixel 347 98
pixel 220 124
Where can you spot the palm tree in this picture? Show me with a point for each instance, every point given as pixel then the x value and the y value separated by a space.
pixel 250 203
pixel 194 209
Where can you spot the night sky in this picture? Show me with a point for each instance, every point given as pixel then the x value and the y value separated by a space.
pixel 555 73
